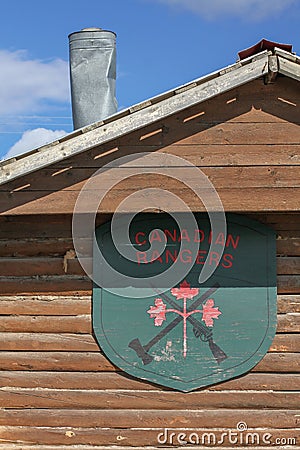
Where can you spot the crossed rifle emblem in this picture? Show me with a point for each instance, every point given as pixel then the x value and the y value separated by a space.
pixel 184 314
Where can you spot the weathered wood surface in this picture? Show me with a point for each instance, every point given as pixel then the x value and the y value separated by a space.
pixel 50 246
pixel 81 324
pixel 34 340
pixel 273 176
pixel 130 437
pixel 59 305
pixel 266 199
pixel 121 381
pixel 254 140
pixel 90 361
pixel 57 389
pixel 11 398
pixel 59 226
pixel 34 266
pixel 76 284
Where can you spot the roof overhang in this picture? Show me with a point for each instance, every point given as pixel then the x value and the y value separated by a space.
pixel 152 110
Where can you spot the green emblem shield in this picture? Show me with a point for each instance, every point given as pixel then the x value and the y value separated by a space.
pixel 191 334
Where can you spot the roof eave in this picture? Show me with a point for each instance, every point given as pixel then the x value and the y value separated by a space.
pixel 142 114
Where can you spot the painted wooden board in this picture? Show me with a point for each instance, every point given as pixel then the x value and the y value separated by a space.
pixel 191 334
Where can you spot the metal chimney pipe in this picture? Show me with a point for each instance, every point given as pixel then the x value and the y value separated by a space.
pixel 93 75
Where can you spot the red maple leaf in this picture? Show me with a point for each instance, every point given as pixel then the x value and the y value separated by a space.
pixel 185 291
pixel 210 312
pixel 158 312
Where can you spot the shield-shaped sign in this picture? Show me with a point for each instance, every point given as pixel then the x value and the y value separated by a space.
pixel 192 334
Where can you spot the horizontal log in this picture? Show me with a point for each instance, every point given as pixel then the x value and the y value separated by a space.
pixel 80 285
pixel 96 362
pixel 60 342
pixel 51 305
pixel 54 247
pixel 46 324
pixel 57 361
pixel 288 247
pixel 288 303
pixel 288 284
pixel 81 324
pixel 37 266
pixel 66 285
pixel 82 399
pixel 289 323
pixel 253 200
pixel 50 247
pixel 279 362
pixel 140 437
pixel 120 380
pixel 286 342
pixel 288 265
pixel 46 305
pixel 35 247
pixel 64 342
pixel 214 418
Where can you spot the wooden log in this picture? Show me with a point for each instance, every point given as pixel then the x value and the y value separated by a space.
pixel 82 399
pixel 288 265
pixel 56 361
pixel 288 323
pixel 81 324
pixel 59 305
pixel 288 303
pixel 46 305
pixel 279 362
pixel 42 266
pixel 96 362
pixel 48 324
pixel 34 341
pixel 214 418
pixel 288 247
pixel 139 437
pixel 60 342
pixel 35 247
pixel 123 381
pixel 54 247
pixel 80 285
pixel 288 284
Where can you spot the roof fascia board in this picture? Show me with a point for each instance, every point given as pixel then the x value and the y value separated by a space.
pixel 233 77
pixel 287 55
pixel 289 68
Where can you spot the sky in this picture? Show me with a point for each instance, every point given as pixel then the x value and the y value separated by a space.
pixel 161 44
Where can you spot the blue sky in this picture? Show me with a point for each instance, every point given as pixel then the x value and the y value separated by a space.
pixel 160 45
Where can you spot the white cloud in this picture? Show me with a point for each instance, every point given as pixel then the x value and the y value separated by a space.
pixel 32 139
pixel 249 9
pixel 26 84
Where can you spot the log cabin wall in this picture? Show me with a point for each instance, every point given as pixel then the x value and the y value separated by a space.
pixel 57 389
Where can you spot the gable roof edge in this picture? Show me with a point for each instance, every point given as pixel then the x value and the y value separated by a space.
pixel 288 64
pixel 136 117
